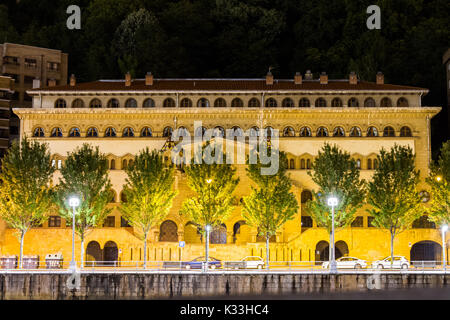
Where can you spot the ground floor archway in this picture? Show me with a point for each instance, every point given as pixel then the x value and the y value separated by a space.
pixel 110 253
pixel 93 253
pixel 323 250
pixel 426 253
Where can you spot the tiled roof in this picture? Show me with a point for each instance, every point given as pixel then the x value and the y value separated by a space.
pixel 224 85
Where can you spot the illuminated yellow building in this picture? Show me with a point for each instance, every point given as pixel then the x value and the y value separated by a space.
pixel 124 116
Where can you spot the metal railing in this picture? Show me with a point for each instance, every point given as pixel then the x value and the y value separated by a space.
pixel 219 266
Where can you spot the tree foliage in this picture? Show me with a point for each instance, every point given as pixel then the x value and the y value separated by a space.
pixel 392 191
pixel 336 174
pixel 439 182
pixel 26 187
pixel 149 192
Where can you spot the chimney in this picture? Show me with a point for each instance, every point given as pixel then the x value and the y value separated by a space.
pixel 149 79
pixel 308 75
pixel 352 78
pixel 380 77
pixel 52 82
pixel 323 78
pixel 269 78
pixel 298 78
pixel 36 83
pixel 73 80
pixel 128 79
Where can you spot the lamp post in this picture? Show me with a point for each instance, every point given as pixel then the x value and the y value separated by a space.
pixel 74 202
pixel 444 229
pixel 208 226
pixel 332 202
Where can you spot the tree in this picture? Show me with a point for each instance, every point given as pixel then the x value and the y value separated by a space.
pixel 214 185
pixel 439 181
pixel 85 174
pixel 26 187
pixel 392 191
pixel 149 193
pixel 336 174
pixel 271 203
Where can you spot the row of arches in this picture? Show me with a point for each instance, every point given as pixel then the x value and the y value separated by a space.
pixel 236 131
pixel 237 103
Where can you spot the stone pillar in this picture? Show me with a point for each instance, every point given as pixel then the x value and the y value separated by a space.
pixel 156 236
pixel 253 234
pixel 229 237
pixel 180 235
pixel 279 236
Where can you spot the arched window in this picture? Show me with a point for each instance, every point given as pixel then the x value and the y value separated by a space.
pixel 291 164
pixel 200 131
pixel 237 103
pixel 146 132
pixel 167 132
pixel 130 163
pixel 375 164
pixel 268 132
pixel 74 132
pixel 355 132
pixel 124 164
pixel 182 131
pixel 386 102
pixel 338 132
pixel 60 103
pixel 306 195
pixel 358 163
pixel 113 103
pixel 56 132
pixel 353 102
pixel 110 132
pixel 322 132
pixel 372 132
pixel 92 132
pixel 219 132
pixel 95 103
pixel 271 103
pixel 131 103
pixel 336 103
pixel 38 132
pixel 112 166
pixel 123 197
pixel 369 103
pixel 288 103
pixel 220 103
pixel 254 132
pixel 237 131
pixel 203 103
pixel 168 231
pixel 369 164
pixel 304 103
pixel 320 103
pixel 402 102
pixel 305 132
pixel 77 103
pixel 308 164
pixel 128 132
pixel 253 103
pixel 388 132
pixel 302 164
pixel 186 103
pixel 405 132
pixel 288 132
pixel 148 103
pixel 169 103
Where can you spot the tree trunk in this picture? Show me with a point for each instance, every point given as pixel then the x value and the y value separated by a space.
pixel 392 248
pixel 267 251
pixel 22 236
pixel 145 250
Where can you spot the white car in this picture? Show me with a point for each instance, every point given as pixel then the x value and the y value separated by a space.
pixel 398 263
pixel 253 262
pixel 347 263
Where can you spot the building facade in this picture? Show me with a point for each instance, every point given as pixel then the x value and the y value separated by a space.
pixel 123 117
pixel 31 67
pixel 6 93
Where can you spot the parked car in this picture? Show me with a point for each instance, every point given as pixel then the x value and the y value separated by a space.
pixel 347 263
pixel 250 262
pixel 398 263
pixel 213 263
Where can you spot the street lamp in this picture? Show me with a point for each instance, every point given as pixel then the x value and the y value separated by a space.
pixel 74 202
pixel 438 178
pixel 332 202
pixel 444 229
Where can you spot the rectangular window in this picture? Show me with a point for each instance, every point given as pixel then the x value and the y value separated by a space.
pixel 369 222
pixel 110 222
pixel 52 66
pixel 11 60
pixel 30 63
pixel 124 223
pixel 358 222
pixel 307 222
pixel 54 221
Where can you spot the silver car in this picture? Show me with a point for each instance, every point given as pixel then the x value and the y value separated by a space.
pixel 347 263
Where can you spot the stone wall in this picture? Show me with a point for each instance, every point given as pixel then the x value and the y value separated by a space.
pixel 20 285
